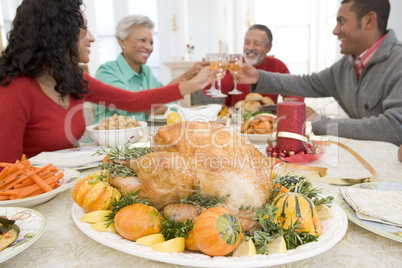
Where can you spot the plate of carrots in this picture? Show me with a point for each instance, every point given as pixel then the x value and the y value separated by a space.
pixel 25 185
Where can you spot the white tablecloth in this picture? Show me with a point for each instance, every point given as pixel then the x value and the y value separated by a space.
pixel 64 245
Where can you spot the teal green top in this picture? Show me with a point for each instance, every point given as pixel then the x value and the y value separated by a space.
pixel 118 73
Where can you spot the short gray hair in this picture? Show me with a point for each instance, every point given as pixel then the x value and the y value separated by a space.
pixel 124 26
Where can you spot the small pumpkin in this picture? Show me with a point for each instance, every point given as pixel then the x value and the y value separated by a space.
pixel 216 232
pixel 292 206
pixel 94 192
pixel 137 220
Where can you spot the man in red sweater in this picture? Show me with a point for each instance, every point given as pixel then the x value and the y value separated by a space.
pixel 257 43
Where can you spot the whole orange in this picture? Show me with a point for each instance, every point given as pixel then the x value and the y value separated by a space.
pixel 138 220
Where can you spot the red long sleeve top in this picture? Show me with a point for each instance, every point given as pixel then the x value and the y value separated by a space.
pixel 31 122
pixel 270 64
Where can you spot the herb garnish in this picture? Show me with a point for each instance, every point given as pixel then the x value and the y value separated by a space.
pixel 172 229
pixel 199 200
pixel 125 153
pixel 299 184
pixel 293 235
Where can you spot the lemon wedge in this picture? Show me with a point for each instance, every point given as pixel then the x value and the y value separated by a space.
pixel 173 117
pixel 245 248
pixel 96 216
pixel 102 227
pixel 172 245
pixel 323 212
pixel 150 240
pixel 277 246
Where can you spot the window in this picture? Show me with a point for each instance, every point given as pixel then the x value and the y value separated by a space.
pixel 302 34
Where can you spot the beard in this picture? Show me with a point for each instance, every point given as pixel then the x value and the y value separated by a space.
pixel 252 61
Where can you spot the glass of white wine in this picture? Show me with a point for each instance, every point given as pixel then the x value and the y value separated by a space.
pixel 217 61
pixel 234 61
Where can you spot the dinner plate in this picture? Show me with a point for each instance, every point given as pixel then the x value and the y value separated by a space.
pixel 75 153
pixel 333 229
pixel 31 224
pixel 382 229
pixel 69 179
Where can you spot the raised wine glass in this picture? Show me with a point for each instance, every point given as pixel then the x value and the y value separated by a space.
pixel 217 61
pixel 234 61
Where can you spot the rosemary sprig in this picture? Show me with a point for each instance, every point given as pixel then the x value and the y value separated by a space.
pixel 199 200
pixel 172 229
pixel 130 199
pixel 294 237
pixel 118 170
pixel 118 153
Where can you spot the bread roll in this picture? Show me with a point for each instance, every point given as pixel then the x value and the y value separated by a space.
pixel 267 101
pixel 253 97
pixel 239 105
pixel 252 106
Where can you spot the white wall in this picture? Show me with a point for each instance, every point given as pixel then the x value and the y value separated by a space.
pixel 395 18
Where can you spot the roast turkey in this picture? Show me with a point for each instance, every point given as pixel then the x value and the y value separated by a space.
pixel 218 158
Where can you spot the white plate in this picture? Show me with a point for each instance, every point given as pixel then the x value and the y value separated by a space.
pixel 158 118
pixel 31 224
pixel 71 152
pixel 333 229
pixel 70 178
pixel 260 138
pixel 385 230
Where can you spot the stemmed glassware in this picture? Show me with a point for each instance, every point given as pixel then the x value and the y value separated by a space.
pixel 234 61
pixel 217 61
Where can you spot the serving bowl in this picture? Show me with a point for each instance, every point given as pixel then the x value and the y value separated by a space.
pixel 117 137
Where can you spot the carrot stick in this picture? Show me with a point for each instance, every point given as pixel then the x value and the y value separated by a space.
pixel 4 172
pixel 8 179
pixel 4 197
pixel 9 192
pixel 3 164
pixel 41 183
pixel 32 188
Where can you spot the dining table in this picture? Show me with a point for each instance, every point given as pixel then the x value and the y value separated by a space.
pixel 63 244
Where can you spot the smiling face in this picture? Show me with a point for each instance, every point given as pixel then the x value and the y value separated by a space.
pixel 350 31
pixel 84 43
pixel 255 46
pixel 137 47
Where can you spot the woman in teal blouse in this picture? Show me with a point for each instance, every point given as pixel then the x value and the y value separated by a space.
pixel 129 71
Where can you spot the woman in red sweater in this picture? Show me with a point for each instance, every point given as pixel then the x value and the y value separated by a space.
pixel 42 88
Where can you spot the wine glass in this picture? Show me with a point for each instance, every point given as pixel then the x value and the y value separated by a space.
pixel 217 61
pixel 212 90
pixel 234 61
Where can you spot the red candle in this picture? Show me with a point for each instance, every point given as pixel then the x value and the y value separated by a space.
pixel 291 123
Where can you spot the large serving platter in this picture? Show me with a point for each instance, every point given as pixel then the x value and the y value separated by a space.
pixel 31 224
pixel 71 176
pixel 333 229
pixel 382 229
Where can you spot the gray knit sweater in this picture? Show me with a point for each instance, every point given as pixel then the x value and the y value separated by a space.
pixel 373 103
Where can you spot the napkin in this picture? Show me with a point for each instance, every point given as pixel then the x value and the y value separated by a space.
pixel 66 159
pixel 373 205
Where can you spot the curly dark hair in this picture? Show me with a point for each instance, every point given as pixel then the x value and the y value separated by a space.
pixel 44 36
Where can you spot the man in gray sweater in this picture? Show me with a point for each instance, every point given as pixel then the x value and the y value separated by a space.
pixel 366 82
